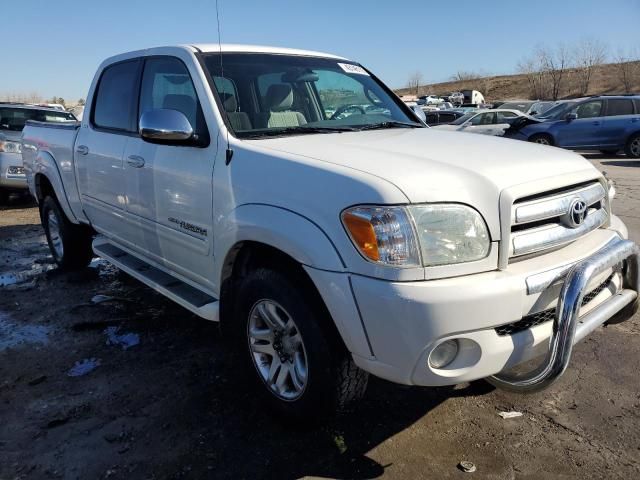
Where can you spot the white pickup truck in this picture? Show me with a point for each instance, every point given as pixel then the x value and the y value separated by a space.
pixel 291 196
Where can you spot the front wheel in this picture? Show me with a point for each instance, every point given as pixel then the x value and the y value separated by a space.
pixel 541 139
pixel 632 148
pixel 302 370
pixel 70 244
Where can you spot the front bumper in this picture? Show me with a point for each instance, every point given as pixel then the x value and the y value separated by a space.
pixel 406 321
pixel 9 178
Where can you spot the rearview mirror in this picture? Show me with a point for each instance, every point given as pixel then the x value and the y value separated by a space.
pixel 165 126
pixel 419 113
pixel 571 116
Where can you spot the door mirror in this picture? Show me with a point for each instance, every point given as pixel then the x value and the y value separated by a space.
pixel 165 126
pixel 569 117
pixel 419 113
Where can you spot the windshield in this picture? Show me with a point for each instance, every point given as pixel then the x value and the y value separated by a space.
pixel 555 111
pixel 522 106
pixel 14 118
pixel 269 94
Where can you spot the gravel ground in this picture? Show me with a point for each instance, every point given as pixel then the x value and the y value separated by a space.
pixel 137 387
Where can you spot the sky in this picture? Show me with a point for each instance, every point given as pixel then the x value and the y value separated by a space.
pixel 54 47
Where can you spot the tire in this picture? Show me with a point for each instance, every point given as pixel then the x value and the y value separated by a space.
pixel 632 148
pixel 279 324
pixel 541 139
pixel 70 244
pixel 609 152
pixel 4 197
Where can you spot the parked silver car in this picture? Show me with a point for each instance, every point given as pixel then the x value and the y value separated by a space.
pixel 12 119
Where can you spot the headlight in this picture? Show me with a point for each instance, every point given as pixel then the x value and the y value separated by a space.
pixel 427 235
pixel 450 233
pixel 10 147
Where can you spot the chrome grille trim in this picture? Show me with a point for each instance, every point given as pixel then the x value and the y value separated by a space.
pixel 555 234
pixel 557 205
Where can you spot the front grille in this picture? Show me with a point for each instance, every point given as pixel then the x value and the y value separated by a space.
pixel 547 315
pixel 545 221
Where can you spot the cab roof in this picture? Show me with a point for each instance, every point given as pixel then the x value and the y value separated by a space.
pixel 237 48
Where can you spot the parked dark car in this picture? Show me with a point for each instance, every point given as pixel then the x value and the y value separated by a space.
pixel 605 123
pixel 442 117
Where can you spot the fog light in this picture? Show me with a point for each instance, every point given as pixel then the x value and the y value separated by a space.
pixel 443 354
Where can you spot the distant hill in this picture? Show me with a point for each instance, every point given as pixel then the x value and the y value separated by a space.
pixel 605 80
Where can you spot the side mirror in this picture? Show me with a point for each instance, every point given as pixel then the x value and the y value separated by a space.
pixel 165 126
pixel 420 113
pixel 569 117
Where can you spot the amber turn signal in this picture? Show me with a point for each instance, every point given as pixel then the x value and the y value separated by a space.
pixel 363 235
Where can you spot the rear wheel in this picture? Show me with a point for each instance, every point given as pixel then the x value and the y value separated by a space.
pixel 70 244
pixel 4 196
pixel 541 139
pixel 632 148
pixel 303 372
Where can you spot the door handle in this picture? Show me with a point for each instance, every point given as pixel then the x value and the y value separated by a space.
pixel 634 120
pixel 596 123
pixel 82 149
pixel 135 161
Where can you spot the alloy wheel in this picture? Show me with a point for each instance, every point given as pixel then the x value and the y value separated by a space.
pixel 54 234
pixel 277 350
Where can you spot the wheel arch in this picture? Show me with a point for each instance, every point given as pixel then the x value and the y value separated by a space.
pixel 256 235
pixel 47 181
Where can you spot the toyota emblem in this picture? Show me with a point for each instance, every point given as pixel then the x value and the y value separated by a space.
pixel 577 213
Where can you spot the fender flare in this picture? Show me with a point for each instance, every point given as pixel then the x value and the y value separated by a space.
pixel 46 165
pixel 281 228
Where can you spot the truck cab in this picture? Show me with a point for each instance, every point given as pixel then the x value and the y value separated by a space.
pixel 292 197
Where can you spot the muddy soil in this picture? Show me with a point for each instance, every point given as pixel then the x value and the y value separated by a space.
pixel 100 377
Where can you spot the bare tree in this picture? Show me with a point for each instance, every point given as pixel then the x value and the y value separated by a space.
pixel 532 68
pixel 464 75
pixel 555 64
pixel 627 67
pixel 415 79
pixel 588 54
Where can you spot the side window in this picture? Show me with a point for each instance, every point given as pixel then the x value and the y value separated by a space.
pixel 619 106
pixel 166 84
pixel 505 117
pixel 637 103
pixel 589 109
pixel 487 118
pixel 114 101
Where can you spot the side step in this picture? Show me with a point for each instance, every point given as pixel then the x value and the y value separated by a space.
pixel 191 298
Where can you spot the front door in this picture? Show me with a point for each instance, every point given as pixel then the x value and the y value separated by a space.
pixel 169 187
pixel 584 131
pixel 100 146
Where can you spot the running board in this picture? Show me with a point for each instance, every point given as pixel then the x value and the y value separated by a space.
pixel 191 298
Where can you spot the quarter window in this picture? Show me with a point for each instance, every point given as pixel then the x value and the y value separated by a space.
pixel 619 106
pixel 115 99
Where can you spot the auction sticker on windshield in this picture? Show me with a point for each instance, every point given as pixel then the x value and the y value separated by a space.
pixel 350 68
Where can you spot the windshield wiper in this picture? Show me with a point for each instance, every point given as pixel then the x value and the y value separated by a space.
pixel 389 124
pixel 273 132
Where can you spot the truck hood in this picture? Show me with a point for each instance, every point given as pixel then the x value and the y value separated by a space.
pixel 430 165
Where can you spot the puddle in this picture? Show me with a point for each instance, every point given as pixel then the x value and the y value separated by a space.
pixel 10 279
pixel 125 340
pixel 83 367
pixel 14 335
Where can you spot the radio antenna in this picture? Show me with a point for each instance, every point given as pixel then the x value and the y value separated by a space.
pixel 229 152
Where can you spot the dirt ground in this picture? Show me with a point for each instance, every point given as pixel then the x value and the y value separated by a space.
pixel 134 386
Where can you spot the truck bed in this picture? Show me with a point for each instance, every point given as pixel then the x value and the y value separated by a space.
pixel 48 148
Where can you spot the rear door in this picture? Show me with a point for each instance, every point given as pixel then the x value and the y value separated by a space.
pixel 619 120
pixel 586 130
pixel 482 123
pixel 100 146
pixel 168 187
